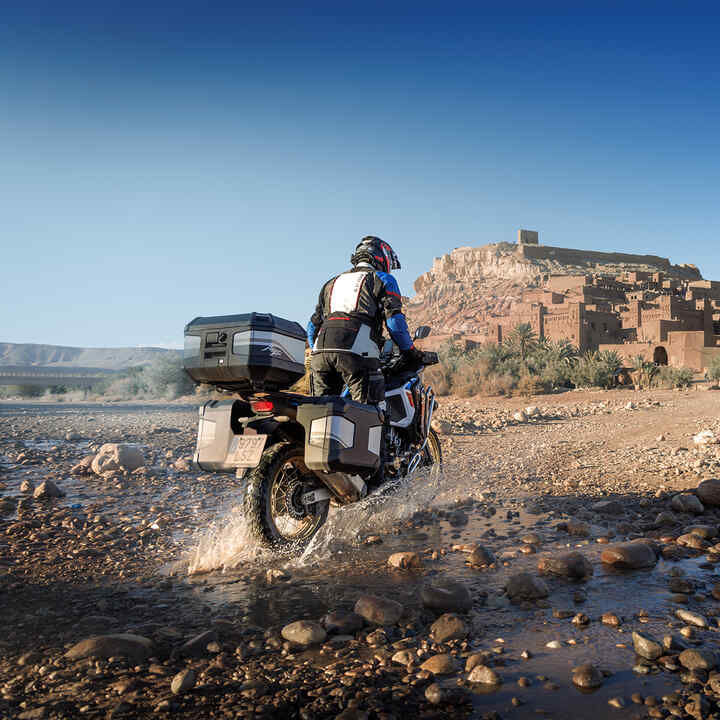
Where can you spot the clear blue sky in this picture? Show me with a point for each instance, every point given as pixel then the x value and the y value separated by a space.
pixel 159 162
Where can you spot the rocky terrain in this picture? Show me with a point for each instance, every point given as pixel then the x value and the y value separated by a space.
pixel 562 564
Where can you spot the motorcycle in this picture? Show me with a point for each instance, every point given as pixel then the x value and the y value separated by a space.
pixel 298 454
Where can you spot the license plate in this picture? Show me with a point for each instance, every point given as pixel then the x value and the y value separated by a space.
pixel 246 450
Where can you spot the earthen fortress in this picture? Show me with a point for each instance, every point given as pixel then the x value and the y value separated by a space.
pixel 634 304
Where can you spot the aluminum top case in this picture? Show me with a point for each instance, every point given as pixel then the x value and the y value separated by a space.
pixel 244 353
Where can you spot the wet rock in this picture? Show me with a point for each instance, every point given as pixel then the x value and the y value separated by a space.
pixel 692 618
pixel 445 595
pixel 117 456
pixel 631 556
pixel 183 681
pixel 611 619
pixel 47 490
pixel 646 646
pixel 342 623
pixel 709 492
pixel 274 575
pixel 707 532
pixel 481 557
pixel 484 675
pixel 378 610
pixel 197 646
pixel 665 519
pixel 439 664
pixel 304 632
pixel 27 486
pixel 84 467
pixel 405 561
pixel 616 702
pixel 404 657
pixel 608 507
pixel 687 503
pixel 73 437
pixel 448 627
pixel 698 659
pixel 587 676
pixel 524 586
pixel 698 707
pixel 478 658
pixel 133 647
pixel 576 527
pixel 572 565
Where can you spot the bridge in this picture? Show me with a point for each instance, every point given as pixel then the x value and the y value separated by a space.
pixel 47 376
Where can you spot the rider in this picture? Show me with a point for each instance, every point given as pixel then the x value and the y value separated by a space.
pixel 345 332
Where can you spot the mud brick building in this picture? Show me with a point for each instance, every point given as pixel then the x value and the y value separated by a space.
pixel 633 304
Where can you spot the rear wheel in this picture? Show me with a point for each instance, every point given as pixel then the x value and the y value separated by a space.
pixel 273 499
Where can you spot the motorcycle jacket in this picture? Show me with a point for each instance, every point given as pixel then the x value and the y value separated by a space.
pixel 352 309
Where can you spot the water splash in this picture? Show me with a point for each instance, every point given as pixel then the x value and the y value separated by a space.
pixel 229 544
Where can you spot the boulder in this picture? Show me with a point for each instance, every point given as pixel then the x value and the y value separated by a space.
pixel 630 556
pixel 405 561
pixel 439 664
pixel 524 586
pixel 709 492
pixel 183 681
pixel 84 467
pixel 480 557
pixel 687 503
pixel 342 623
pixel 646 646
pixel 587 676
pixel 698 659
pixel 445 596
pixel 304 632
pixel 133 647
pixel 692 618
pixel 448 627
pixel 378 610
pixel 572 565
pixel 47 490
pixel 484 675
pixel 117 456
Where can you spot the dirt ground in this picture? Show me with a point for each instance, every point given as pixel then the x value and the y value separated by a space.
pixel 575 472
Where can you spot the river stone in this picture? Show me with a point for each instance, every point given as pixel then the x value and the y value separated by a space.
pixel 378 610
pixel 446 596
pixel 439 664
pixel 133 647
pixel 692 618
pixel 608 507
pixel 631 556
pixel 709 491
pixel 117 456
pixel 698 659
pixel 707 532
pixel 573 565
pixel 47 489
pixel 183 681
pixel 687 503
pixel 405 561
pixel 587 676
pixel 448 627
pixel 481 556
pixel 84 467
pixel 524 586
pixel 483 675
pixel 196 646
pixel 646 646
pixel 304 632
pixel 342 622
pixel 404 657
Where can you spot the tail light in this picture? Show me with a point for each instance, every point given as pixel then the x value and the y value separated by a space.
pixel 262 406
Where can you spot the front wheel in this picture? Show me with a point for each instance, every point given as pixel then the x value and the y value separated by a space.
pixel 273 499
pixel 432 455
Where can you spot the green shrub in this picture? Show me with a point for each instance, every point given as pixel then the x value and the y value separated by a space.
pixel 596 369
pixel 713 371
pixel 674 377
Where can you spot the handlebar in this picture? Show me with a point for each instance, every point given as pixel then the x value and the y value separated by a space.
pixel 400 363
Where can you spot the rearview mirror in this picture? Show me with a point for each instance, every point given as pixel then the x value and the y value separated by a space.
pixel 422 332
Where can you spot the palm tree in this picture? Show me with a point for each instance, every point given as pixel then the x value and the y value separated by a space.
pixel 523 340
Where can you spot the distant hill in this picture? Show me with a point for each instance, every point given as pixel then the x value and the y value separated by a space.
pixel 59 356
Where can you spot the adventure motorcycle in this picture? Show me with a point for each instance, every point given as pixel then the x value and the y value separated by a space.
pixel 299 453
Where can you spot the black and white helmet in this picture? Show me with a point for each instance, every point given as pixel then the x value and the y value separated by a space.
pixel 378 253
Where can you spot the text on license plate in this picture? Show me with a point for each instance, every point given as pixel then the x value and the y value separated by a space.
pixel 246 450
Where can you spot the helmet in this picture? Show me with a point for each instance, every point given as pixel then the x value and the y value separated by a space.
pixel 378 253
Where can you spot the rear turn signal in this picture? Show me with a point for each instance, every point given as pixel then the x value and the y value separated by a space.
pixel 262 406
